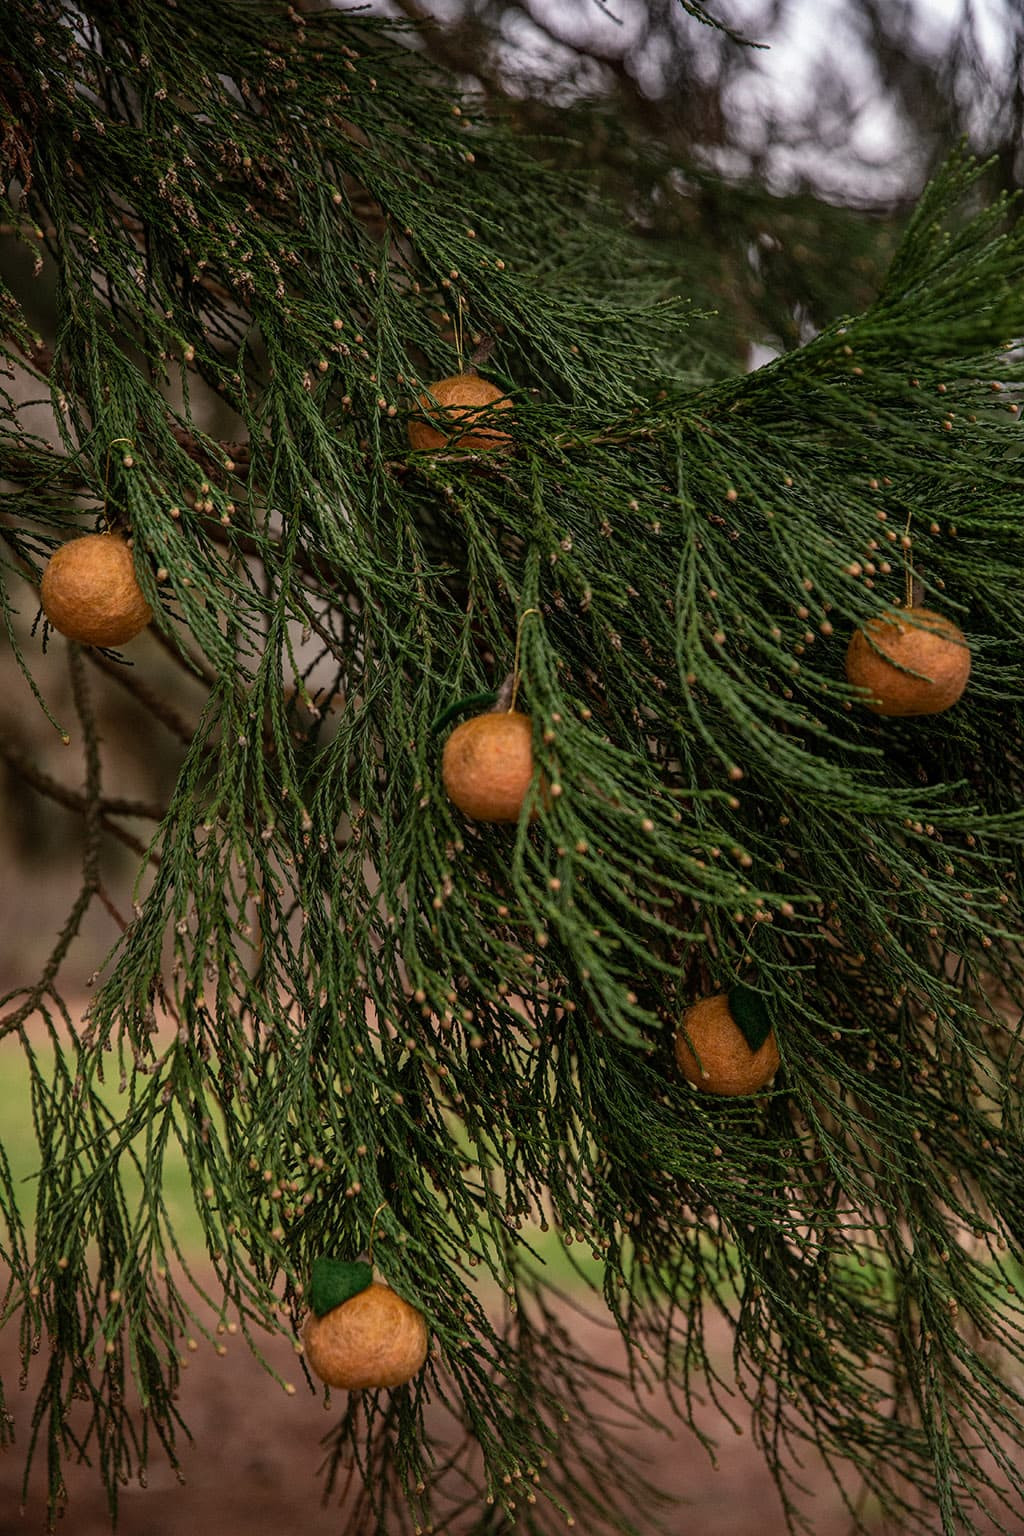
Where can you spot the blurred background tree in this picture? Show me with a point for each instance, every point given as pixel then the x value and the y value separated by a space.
pixel 775 174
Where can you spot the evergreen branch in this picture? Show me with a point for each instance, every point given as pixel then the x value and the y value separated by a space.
pixel 381 1005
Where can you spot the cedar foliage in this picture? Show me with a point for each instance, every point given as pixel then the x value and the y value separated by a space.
pixel 385 1018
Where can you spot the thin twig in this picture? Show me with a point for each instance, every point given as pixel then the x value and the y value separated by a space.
pixel 185 657
pixel 73 799
pixel 159 708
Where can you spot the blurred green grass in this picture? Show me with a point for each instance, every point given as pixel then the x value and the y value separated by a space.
pixel 17 1136
pixel 16 1132
pixel 574 1270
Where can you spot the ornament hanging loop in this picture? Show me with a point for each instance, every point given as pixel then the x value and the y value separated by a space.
pixel 373 1228
pixel 460 309
pixel 106 478
pixel 515 661
pixel 908 566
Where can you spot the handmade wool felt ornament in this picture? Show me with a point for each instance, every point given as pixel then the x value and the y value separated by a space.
pixel 487 765
pixel 714 1053
pixel 372 1338
pixel 910 661
pixel 458 403
pixel 90 593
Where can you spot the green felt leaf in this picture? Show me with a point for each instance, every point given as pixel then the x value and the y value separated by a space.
pixel 334 1280
pixel 475 701
pixel 748 1009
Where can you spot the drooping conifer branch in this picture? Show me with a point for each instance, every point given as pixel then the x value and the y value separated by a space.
pixel 345 1002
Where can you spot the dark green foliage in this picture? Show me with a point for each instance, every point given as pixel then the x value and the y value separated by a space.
pixel 341 999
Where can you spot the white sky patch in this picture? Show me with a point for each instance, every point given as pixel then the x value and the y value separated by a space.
pixel 614 27
pixel 865 153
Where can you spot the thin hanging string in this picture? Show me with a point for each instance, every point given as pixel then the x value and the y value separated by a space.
pixel 515 663
pixel 459 333
pixel 106 478
pixel 908 566
pixel 373 1228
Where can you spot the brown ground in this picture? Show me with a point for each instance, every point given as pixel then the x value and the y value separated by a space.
pixel 253 1468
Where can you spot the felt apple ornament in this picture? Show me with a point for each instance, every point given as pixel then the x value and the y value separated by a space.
pixel 909 661
pixel 725 1043
pixel 448 413
pixel 359 1332
pixel 487 765
pixel 90 593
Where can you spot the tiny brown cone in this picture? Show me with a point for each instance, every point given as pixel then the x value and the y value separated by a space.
pixel 461 400
pixel 909 662
pixel 726 1063
pixel 90 593
pixel 375 1339
pixel 487 765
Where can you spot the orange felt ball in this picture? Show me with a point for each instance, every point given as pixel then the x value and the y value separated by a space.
pixel 90 593
pixel 909 662
pixel 460 401
pixel 713 1054
pixel 487 765
pixel 375 1339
